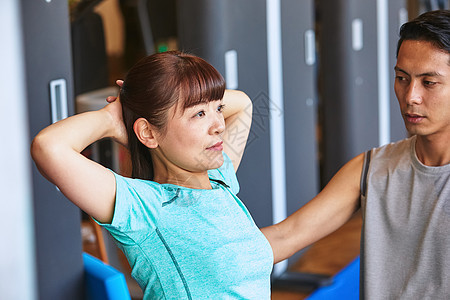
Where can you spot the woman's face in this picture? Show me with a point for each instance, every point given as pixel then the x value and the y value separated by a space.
pixel 192 139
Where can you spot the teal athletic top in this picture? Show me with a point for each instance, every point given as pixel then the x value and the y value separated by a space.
pixel 185 243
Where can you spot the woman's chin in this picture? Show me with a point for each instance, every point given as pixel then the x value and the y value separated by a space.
pixel 216 163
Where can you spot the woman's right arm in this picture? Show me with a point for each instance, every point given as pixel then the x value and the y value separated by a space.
pixel 56 151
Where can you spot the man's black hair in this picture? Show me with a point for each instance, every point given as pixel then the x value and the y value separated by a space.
pixel 432 26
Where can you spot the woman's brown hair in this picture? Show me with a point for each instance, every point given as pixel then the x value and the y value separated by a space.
pixel 155 84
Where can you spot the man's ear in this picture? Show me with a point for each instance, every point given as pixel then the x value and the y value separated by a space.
pixel 145 132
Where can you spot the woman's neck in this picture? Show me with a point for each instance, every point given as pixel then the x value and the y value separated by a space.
pixel 188 179
pixel 165 172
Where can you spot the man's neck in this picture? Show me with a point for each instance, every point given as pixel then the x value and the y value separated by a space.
pixel 434 150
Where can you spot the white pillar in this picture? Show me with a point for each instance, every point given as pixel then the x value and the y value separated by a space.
pixel 277 151
pixel 17 263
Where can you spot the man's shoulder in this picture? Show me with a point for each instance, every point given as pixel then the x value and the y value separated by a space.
pixel 395 148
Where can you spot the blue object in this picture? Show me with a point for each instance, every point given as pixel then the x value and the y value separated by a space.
pixel 103 282
pixel 345 285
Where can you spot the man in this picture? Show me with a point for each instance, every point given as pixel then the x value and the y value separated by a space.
pixel 403 189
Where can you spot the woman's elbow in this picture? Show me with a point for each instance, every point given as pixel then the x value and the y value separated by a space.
pixel 36 148
pixel 42 150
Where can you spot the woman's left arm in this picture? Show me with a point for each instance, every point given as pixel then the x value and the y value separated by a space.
pixel 238 119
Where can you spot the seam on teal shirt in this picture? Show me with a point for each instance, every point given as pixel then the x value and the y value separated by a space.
pixel 175 263
pixel 171 200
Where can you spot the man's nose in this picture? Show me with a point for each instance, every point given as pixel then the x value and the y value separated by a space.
pixel 413 94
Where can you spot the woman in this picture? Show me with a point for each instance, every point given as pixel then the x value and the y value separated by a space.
pixel 178 220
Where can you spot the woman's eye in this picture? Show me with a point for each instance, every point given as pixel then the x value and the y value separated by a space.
pixel 200 114
pixel 220 107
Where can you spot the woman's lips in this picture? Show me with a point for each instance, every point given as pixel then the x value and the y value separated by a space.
pixel 216 147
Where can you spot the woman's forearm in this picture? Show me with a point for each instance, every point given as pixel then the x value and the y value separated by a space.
pixel 237 103
pixel 238 120
pixel 77 132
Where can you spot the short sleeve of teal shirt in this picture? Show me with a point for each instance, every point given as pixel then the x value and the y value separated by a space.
pixel 132 212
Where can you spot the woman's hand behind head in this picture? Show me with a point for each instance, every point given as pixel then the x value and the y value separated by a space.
pixel 114 108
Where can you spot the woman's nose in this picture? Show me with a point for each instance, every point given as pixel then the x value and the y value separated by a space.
pixel 218 125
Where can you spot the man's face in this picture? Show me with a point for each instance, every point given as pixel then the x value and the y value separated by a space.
pixel 422 87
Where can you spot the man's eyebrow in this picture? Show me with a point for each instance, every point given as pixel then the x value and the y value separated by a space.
pixel 434 73
pixel 399 70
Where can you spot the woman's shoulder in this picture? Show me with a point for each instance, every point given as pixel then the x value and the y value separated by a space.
pixel 137 185
pixel 142 197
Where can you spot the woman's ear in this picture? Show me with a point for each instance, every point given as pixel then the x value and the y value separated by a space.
pixel 145 133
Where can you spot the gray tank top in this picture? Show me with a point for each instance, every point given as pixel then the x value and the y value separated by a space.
pixel 405 241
